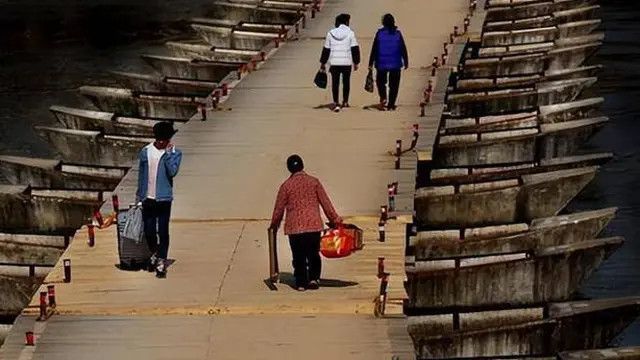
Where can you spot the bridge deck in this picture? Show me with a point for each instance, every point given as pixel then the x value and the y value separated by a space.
pixel 214 303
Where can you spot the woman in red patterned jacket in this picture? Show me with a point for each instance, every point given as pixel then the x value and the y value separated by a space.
pixel 302 195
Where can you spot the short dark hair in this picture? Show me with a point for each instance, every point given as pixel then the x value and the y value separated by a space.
pixel 388 21
pixel 343 19
pixel 295 164
pixel 163 130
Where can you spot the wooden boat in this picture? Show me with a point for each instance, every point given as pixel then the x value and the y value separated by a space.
pixel 29 210
pixel 224 37
pixel 539 34
pixel 539 331
pixel 523 11
pixel 524 49
pixel 505 280
pixel 540 233
pixel 515 147
pixel 546 114
pixel 252 13
pixel 573 110
pixel 500 202
pixel 107 122
pixel 156 83
pixel 509 82
pixel 476 174
pixel 125 102
pixel 50 241
pixel 57 174
pixel 519 99
pixel 624 353
pixel 28 253
pixel 192 69
pixel 93 147
pixel 273 28
pixel 583 13
pixel 16 292
pixel 547 58
pixel 200 51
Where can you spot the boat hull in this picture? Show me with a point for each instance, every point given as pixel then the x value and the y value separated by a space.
pixel 540 195
pixel 58 175
pixel 92 148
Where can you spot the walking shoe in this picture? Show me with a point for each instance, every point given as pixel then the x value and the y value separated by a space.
pixel 301 288
pixel 336 108
pixel 391 108
pixel 161 270
pixel 313 285
pixel 153 262
pixel 345 105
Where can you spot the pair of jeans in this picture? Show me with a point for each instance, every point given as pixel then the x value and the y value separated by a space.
pixel 307 264
pixel 336 72
pixel 393 76
pixel 155 215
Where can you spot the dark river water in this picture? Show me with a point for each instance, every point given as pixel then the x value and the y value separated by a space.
pixel 49 48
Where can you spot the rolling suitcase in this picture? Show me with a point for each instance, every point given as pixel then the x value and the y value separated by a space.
pixel 134 253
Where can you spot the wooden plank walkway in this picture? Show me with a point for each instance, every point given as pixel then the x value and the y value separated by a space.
pixel 214 304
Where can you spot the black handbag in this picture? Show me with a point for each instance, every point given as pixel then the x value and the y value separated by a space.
pixel 368 83
pixel 321 79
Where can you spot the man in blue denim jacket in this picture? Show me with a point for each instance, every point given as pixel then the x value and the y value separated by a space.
pixel 159 164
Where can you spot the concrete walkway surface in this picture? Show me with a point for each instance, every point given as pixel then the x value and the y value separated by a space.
pixel 214 304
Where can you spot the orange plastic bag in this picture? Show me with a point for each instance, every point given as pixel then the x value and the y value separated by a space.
pixel 336 243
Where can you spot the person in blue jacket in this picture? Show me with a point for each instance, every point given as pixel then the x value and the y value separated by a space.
pixel 389 55
pixel 159 163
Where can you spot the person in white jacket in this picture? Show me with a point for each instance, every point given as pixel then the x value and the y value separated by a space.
pixel 342 52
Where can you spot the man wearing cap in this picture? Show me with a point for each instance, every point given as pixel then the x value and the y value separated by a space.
pixel 159 164
pixel 302 195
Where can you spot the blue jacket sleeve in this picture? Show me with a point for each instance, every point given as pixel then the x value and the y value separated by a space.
pixel 173 162
pixel 141 178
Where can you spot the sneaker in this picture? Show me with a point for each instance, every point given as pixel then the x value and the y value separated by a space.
pixel 153 262
pixel 345 105
pixel 336 108
pixel 161 270
pixel 313 285
pixel 301 288
pixel 391 108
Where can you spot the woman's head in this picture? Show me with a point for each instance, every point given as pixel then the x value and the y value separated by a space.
pixel 388 21
pixel 295 164
pixel 343 19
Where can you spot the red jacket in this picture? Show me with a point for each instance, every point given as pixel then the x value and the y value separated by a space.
pixel 301 195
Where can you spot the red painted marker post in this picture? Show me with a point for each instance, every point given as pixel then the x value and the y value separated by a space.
pixel 67 270
pixel 43 306
pixel 380 267
pixel 116 203
pixel 29 339
pixel 92 235
pixel 51 291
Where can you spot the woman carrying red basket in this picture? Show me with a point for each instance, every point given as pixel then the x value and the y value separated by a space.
pixel 302 195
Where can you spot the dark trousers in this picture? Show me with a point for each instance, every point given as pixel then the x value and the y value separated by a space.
pixel 307 264
pixel 393 76
pixel 336 71
pixel 155 215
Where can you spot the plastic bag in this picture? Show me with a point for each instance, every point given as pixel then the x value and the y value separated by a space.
pixel 321 79
pixel 336 243
pixel 134 225
pixel 368 83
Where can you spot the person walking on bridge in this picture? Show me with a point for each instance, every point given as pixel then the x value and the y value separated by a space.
pixel 301 196
pixel 342 51
pixel 159 163
pixel 388 55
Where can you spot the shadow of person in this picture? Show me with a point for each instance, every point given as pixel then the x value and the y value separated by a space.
pixel 287 278
pixel 324 106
